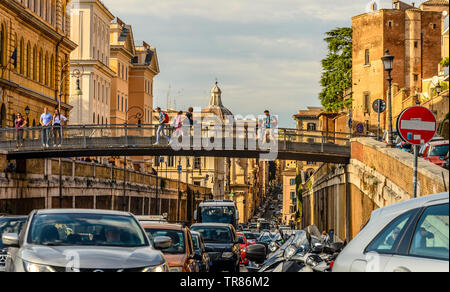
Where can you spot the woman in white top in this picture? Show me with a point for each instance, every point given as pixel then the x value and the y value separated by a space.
pixel 58 120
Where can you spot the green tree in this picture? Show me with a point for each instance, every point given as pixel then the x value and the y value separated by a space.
pixel 337 69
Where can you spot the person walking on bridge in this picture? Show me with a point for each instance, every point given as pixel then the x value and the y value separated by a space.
pixel 20 123
pixel 58 120
pixel 269 124
pixel 45 121
pixel 178 125
pixel 163 120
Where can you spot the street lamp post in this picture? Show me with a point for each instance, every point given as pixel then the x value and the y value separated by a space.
pixel 438 88
pixel 139 114
pixel 76 73
pixel 388 63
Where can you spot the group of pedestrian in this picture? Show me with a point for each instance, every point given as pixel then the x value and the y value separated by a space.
pixel 50 123
pixel 178 123
pixel 266 126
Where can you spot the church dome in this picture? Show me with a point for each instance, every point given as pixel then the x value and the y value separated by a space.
pixel 215 104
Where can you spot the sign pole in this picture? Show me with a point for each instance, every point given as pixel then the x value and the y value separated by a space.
pixel 417 126
pixel 416 162
pixel 379 113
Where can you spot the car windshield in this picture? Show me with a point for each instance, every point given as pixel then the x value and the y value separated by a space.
pixel 440 150
pixel 178 243
pixel 241 238
pixel 10 225
pixel 217 215
pixel 86 230
pixel 214 234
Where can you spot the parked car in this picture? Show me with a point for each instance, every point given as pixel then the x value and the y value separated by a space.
pixel 199 247
pixel 180 255
pixel 422 148
pixel 244 244
pixel 9 224
pixel 67 240
pixel 222 244
pixel 436 152
pixel 408 236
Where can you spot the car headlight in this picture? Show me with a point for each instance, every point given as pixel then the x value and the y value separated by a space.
pixel 227 255
pixel 157 269
pixel 35 268
pixel 244 250
pixel 176 269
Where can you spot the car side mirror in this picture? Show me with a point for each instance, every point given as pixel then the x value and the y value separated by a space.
pixel 162 242
pixel 10 240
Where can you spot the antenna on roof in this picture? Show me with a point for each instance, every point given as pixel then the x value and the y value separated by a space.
pixel 168 97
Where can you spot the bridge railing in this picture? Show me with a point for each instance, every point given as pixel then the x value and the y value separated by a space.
pixel 143 135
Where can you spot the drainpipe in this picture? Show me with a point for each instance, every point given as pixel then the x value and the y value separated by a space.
pixel 348 223
pixel 56 63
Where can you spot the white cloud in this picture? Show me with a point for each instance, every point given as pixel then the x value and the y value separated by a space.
pixel 243 11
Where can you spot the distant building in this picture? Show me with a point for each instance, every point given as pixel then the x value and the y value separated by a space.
pixel 122 50
pixel 90 29
pixel 309 126
pixel 34 48
pixel 413 37
pixel 144 67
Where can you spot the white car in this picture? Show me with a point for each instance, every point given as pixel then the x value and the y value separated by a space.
pixel 412 236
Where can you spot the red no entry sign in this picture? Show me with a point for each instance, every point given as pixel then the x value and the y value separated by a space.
pixel 416 125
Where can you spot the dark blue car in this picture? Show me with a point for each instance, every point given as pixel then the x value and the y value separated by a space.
pixel 199 247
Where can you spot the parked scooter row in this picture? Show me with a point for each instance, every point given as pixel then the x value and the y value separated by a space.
pixel 304 251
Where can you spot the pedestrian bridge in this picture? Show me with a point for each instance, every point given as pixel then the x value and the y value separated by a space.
pixel 138 140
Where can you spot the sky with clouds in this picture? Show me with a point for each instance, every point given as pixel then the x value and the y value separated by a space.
pixel 265 53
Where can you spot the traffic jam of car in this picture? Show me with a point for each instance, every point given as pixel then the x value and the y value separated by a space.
pixel 408 236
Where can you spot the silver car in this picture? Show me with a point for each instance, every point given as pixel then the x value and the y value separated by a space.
pixel 412 236
pixel 83 241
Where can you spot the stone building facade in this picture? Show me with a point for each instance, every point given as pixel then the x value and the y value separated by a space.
pixel 413 37
pixel 34 50
pixel 90 29
pixel 122 52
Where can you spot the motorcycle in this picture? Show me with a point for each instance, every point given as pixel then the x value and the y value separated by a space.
pixel 302 252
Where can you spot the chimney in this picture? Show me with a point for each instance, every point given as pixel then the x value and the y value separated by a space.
pixel 413 4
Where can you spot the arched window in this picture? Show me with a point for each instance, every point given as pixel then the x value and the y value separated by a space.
pixel 40 67
pixel 42 9
pixel 46 70
pixel 22 56
pixel 52 72
pixel 3 41
pixel 3 117
pixel 35 64
pixel 28 61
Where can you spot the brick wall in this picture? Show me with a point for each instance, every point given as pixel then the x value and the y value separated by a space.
pixel 376 177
